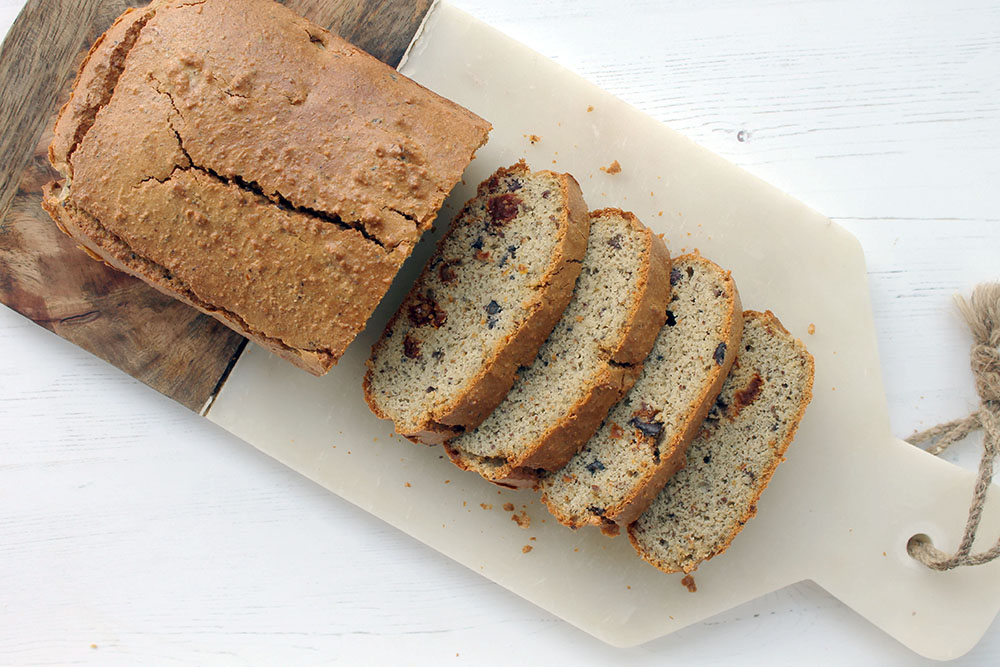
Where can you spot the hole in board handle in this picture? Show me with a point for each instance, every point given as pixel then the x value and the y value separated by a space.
pixel 917 542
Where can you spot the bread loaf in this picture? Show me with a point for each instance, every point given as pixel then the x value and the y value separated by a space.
pixel 246 161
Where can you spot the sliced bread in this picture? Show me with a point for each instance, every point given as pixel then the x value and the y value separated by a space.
pixel 486 301
pixel 705 505
pixel 619 471
pixel 590 360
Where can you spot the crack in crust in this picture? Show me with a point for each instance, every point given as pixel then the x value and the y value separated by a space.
pixel 275 198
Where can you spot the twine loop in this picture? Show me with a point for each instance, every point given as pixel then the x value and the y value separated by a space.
pixel 982 313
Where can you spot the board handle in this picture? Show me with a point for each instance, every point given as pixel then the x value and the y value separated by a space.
pixel 896 493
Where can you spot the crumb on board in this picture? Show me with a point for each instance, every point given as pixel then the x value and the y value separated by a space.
pixel 93 646
pixel 526 548
pixel 811 329
pixel 613 168
pixel 532 538
pixel 522 519
pixel 508 507
pixel 486 506
pixel 688 582
pixel 590 108
pixel 533 138
pixel 660 214
pixel 407 485
pixel 447 481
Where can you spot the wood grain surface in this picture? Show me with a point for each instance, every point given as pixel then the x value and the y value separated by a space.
pixel 44 276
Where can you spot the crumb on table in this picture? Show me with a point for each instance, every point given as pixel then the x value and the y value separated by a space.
pixel 526 548
pixel 811 329
pixel 688 582
pixel 613 168
pixel 508 507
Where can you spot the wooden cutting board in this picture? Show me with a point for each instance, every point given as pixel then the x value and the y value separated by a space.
pixel 44 276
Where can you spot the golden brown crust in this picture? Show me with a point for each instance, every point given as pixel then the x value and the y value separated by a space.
pixel 672 453
pixel 764 478
pixel 645 318
pixel 94 84
pixel 103 246
pixel 487 389
pixel 283 192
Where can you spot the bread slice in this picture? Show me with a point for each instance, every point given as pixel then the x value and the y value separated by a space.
pixel 590 360
pixel 486 301
pixel 252 164
pixel 704 506
pixel 615 476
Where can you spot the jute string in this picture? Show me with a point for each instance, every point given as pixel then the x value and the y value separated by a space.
pixel 982 313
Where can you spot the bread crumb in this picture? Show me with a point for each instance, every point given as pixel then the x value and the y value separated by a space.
pixel 576 550
pixel 689 584
pixel 464 503
pixel 534 138
pixel 613 168
pixel 590 108
pixel 628 587
pixel 508 507
pixel 811 329
pixel 660 214
pixel 526 548
pixel 93 646
pixel 522 519
pixel 407 485
pixel 486 506
pixel 532 538
pixel 447 481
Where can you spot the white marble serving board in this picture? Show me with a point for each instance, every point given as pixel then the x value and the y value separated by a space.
pixel 838 512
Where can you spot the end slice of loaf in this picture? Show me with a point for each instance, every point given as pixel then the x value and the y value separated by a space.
pixel 703 507
pixel 615 476
pixel 590 360
pixel 486 301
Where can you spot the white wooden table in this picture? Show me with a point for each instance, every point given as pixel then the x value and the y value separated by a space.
pixel 132 531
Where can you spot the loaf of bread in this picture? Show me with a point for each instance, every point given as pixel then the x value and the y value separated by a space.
pixel 705 505
pixel 486 301
pixel 642 442
pixel 590 360
pixel 242 159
